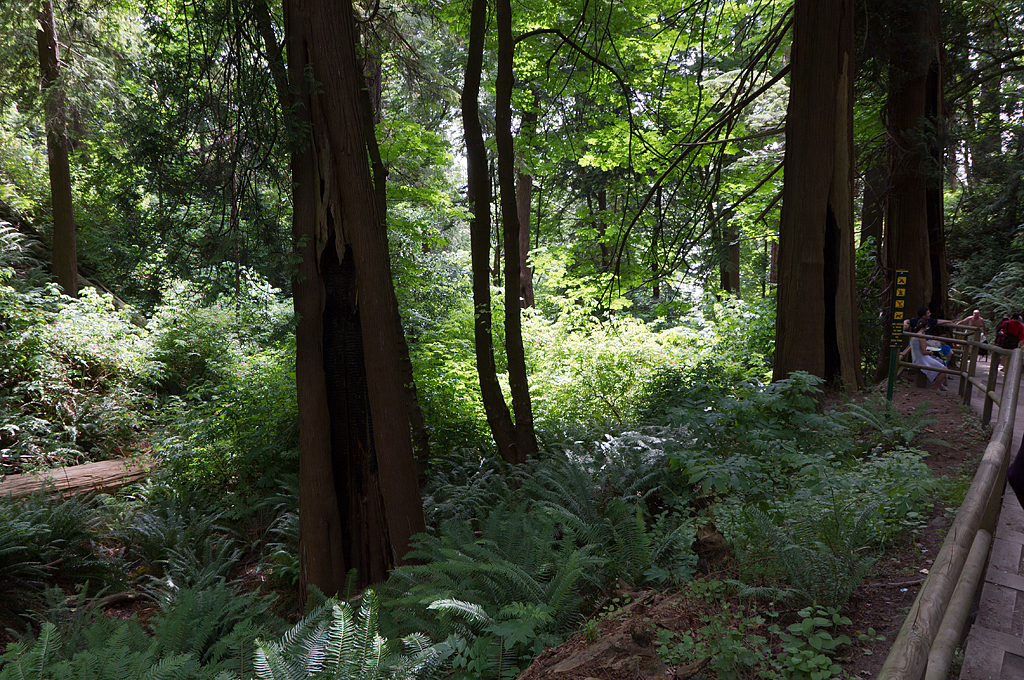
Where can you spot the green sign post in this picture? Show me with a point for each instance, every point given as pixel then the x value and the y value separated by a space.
pixel 899 308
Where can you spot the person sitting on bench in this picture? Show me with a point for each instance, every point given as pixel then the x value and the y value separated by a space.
pixel 919 350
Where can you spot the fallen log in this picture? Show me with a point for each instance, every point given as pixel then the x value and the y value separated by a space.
pixel 103 477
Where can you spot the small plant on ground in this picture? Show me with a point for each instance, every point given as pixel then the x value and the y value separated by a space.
pixel 808 646
pixel 892 429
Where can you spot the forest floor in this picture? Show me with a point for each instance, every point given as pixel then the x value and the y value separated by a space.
pixel 623 643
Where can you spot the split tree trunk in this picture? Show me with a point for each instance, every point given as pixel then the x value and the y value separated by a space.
pixel 359 498
pixel 816 327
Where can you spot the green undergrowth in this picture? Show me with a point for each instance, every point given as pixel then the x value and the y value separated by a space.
pixel 653 439
pixel 515 558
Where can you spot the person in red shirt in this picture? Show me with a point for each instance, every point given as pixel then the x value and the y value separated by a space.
pixel 1013 332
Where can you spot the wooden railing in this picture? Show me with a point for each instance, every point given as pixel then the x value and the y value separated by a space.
pixel 930 633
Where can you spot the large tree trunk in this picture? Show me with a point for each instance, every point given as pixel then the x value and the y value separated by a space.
pixel 479 196
pixel 359 497
pixel 816 329
pixel 935 124
pixel 65 249
pixel 913 211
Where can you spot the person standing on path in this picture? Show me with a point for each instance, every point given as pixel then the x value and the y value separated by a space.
pixel 976 321
pixel 1012 332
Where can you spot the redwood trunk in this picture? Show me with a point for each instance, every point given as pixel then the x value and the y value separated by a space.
pixel 359 497
pixel 816 327
pixel 911 223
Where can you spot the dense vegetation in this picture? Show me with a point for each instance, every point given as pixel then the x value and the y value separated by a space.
pixel 661 432
pixel 649 146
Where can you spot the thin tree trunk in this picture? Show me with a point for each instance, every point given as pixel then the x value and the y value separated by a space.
pixel 602 210
pixel 659 224
pixel 729 269
pixel 526 439
pixel 479 196
pixel 65 248
pixel 873 205
pixel 524 193
pixel 524 201
pixel 987 141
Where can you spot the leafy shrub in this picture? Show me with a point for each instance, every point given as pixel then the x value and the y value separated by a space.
pixel 481 646
pixel 169 543
pixel 607 500
pixel 516 558
pixel 70 386
pixel 823 557
pixel 808 648
pixel 199 337
pixel 204 634
pixel 592 373
pixel 755 444
pixel 243 437
pixel 466 485
pixel 892 427
pixel 444 366
pixel 739 335
pixel 673 392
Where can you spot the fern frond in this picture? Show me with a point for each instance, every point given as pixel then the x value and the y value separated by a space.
pixel 471 612
pixel 342 641
pixel 270 664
